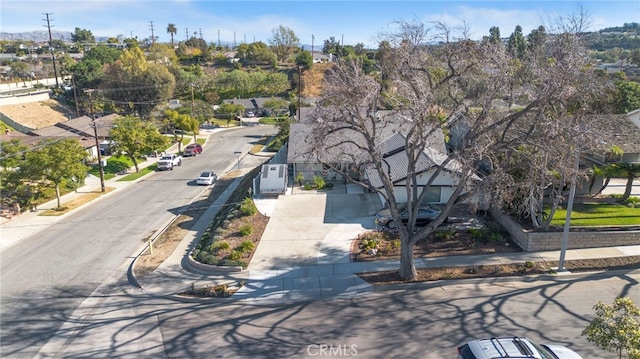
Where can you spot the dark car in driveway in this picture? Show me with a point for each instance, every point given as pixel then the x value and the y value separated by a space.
pixel 426 214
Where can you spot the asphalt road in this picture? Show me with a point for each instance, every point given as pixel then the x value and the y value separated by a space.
pixel 44 278
pixel 404 323
pixel 411 323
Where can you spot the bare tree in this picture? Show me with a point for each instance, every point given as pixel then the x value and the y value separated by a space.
pixel 496 111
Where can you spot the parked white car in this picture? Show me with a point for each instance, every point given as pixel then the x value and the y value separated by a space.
pixel 207 178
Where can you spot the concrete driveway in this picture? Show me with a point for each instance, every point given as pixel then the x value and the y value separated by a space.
pixel 309 228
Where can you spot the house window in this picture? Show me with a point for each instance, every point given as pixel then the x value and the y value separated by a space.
pixel 433 195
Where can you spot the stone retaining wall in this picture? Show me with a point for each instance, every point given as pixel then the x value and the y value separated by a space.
pixel 550 241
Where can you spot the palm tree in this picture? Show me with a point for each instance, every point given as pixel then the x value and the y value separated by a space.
pixel 632 170
pixel 172 29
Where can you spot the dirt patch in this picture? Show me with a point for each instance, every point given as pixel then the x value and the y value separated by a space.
pixel 38 115
pixel 502 270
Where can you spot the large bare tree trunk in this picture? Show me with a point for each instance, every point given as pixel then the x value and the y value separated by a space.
pixel 407 262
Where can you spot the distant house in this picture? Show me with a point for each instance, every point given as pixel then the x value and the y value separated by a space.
pixel 173 104
pixel 621 131
pixel 82 128
pixel 253 105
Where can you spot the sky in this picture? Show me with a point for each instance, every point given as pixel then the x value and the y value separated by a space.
pixel 349 22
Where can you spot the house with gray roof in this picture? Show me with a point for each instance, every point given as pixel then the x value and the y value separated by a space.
pixel 349 158
pixel 82 129
pixel 429 160
pixel 254 105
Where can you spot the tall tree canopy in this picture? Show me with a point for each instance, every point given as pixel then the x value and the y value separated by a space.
pixel 56 162
pixel 172 30
pixel 82 38
pixel 627 96
pixel 137 85
pixel 135 138
pixel 517 44
pixel 494 35
pixel 458 87
pixel 283 42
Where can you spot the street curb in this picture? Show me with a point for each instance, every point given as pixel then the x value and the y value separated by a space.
pixel 514 278
pixel 211 269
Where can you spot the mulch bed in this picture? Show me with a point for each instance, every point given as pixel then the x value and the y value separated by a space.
pixel 503 270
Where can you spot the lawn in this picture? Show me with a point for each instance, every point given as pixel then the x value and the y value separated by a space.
pixel 599 214
pixel 142 172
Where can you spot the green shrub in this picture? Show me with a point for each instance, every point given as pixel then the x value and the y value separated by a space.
pixel 496 237
pixel 394 245
pixel 219 246
pixel 307 186
pixel 226 224
pixel 233 262
pixel 234 255
pixel 445 234
pixel 632 202
pixel 476 233
pixel 246 246
pixel 248 208
pixel 217 237
pixel 318 182
pixel 370 241
pixel 207 258
pixel 245 230
pixel 328 185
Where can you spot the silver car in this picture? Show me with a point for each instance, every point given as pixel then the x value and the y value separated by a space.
pixel 513 347
pixel 426 214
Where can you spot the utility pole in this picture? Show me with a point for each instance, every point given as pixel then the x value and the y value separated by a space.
pixel 53 56
pixel 153 38
pixel 186 33
pixel 95 134
pixel 192 97
pixel 75 94
pixel 219 38
pixel 312 38
pixel 200 31
pixel 299 90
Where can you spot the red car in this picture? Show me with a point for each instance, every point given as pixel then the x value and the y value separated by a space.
pixel 192 150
